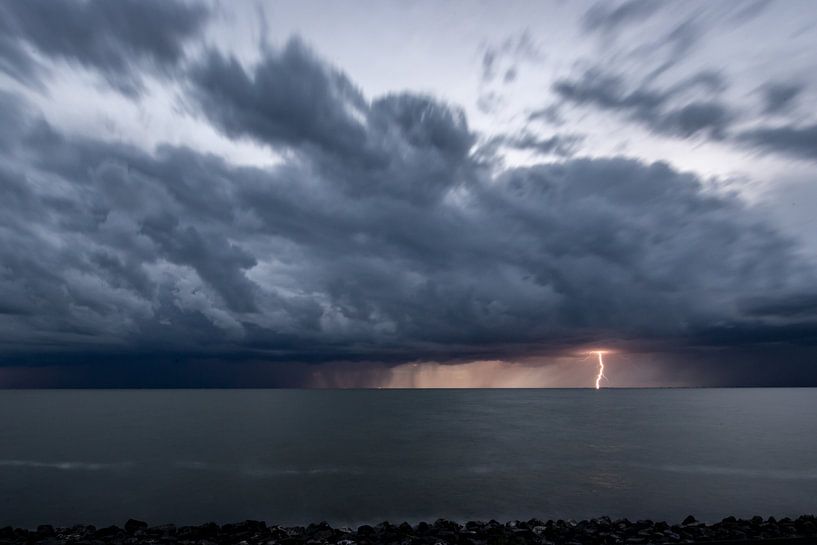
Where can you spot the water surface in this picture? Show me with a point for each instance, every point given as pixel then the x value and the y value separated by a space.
pixel 353 456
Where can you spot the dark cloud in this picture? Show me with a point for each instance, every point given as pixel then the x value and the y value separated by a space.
pixel 290 98
pixel 111 37
pixel 610 17
pixel 661 111
pixel 679 110
pixel 549 114
pixel 503 62
pixel 710 119
pixel 648 81
pixel 561 145
pixel 406 145
pixel 607 92
pixel 780 97
pixel 799 142
pixel 793 307
pixel 507 55
pixel 380 236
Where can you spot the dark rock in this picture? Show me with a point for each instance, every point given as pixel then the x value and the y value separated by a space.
pixel 599 531
pixel 107 532
pixel 210 529
pixel 164 530
pixel 446 524
pixel 192 533
pixel 260 526
pixel 133 525
pixel 45 530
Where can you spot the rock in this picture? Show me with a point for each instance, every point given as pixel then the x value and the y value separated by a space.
pixel 133 526
pixel 599 531
pixel 689 520
pixel 45 530
pixel 446 524
pixel 261 526
pixel 164 530
pixel 107 532
pixel 210 529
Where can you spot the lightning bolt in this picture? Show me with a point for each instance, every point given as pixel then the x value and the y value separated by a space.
pixel 601 370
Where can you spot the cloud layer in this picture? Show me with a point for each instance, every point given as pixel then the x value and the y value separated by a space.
pixel 381 234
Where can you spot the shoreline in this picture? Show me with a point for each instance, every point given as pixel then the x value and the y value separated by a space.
pixel 598 531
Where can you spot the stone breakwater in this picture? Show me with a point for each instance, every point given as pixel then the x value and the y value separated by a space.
pixel 600 531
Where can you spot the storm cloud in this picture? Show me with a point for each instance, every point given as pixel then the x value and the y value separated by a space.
pixel 609 17
pixel 794 141
pixel 661 111
pixel 116 39
pixel 380 233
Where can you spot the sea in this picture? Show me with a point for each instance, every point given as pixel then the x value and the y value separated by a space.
pixel 363 456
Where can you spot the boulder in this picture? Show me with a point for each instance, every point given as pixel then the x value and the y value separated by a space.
pixel 45 530
pixel 133 526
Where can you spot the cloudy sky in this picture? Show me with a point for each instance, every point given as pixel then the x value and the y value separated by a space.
pixel 407 194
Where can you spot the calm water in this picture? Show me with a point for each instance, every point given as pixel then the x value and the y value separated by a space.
pixel 363 456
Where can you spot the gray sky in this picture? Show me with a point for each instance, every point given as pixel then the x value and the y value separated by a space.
pixel 334 194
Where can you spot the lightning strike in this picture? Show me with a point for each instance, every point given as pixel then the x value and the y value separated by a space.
pixel 601 369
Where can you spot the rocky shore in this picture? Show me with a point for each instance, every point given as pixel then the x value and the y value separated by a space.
pixel 600 531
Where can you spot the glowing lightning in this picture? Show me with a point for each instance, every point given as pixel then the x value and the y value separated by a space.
pixel 601 370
